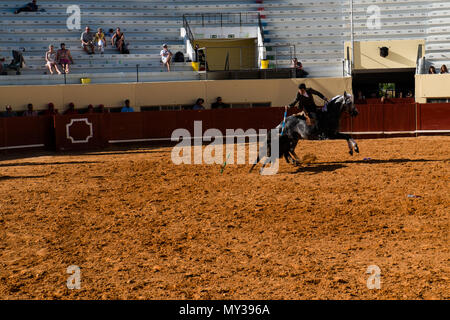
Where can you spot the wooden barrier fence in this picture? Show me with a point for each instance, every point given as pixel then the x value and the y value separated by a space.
pixel 96 131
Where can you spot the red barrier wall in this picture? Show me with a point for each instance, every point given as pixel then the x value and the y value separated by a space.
pixel 433 116
pixel 384 118
pixel 92 131
pixel 79 132
pixel 26 131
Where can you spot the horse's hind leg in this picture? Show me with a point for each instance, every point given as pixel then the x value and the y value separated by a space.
pixel 254 165
pixel 295 158
pixel 287 157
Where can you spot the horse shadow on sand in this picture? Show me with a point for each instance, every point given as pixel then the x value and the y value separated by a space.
pixel 320 167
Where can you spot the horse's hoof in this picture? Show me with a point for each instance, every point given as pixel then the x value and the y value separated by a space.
pixel 357 150
pixel 351 152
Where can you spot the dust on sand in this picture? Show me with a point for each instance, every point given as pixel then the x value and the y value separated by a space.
pixel 140 227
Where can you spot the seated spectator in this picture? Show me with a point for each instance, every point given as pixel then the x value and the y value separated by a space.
pixel 299 72
pixel 219 104
pixel 90 109
pixel 50 58
pixel 360 98
pixel 199 104
pixel 102 109
pixel 30 112
pixel 110 33
pixel 71 109
pixel 100 40
pixel 127 107
pixel 444 69
pixel 64 58
pixel 409 94
pixel 385 98
pixel 3 66
pixel 166 56
pixel 432 70
pixel 29 7
pixel 51 111
pixel 9 113
pixel 87 41
pixel 118 40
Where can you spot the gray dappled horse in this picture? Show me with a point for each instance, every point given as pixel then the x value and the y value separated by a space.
pixel 326 127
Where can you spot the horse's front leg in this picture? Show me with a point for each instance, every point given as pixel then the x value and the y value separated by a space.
pixel 355 145
pixel 350 144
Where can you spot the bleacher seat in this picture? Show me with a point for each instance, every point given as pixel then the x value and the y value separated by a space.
pixel 317 30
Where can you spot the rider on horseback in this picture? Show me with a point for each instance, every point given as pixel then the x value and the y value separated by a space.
pixel 306 103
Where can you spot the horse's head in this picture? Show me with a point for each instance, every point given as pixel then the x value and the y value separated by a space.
pixel 348 105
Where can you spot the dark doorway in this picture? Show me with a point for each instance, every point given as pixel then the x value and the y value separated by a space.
pixel 375 84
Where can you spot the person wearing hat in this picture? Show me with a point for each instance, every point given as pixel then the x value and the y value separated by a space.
pixel 166 56
pixel 306 103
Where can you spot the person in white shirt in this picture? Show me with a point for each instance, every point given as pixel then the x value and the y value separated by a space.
pixel 166 57
pixel 50 58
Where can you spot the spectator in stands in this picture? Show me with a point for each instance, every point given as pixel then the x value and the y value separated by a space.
pixel 100 40
pixel 360 98
pixel 110 33
pixel 87 41
pixel 166 56
pixel 200 57
pixel 50 58
pixel 199 104
pixel 64 58
pixel 51 111
pixel 118 40
pixel 90 109
pixel 298 66
pixel 71 109
pixel 30 112
pixel 102 109
pixel 409 94
pixel 196 57
pixel 9 113
pixel 444 69
pixel 127 107
pixel 219 104
pixel 385 98
pixel 29 7
pixel 3 66
pixel 432 70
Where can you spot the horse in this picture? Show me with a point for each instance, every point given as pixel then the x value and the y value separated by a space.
pixel 326 127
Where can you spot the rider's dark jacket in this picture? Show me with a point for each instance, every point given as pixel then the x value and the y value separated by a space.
pixel 307 103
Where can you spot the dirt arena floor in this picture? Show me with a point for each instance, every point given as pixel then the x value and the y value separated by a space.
pixel 140 227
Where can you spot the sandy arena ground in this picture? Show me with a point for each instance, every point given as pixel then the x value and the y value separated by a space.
pixel 140 227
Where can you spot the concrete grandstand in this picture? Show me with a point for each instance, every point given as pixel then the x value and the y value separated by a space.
pixel 317 29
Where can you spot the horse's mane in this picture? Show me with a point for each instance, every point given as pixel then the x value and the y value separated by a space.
pixel 337 99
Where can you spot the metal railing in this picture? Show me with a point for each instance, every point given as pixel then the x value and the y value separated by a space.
pixel 186 27
pixel 261 29
pixel 420 62
pixel 222 19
